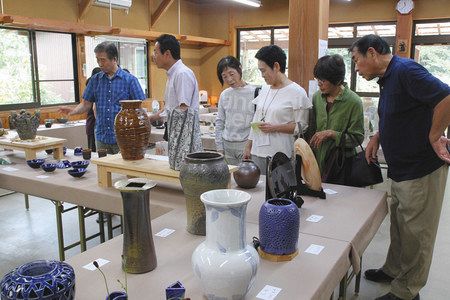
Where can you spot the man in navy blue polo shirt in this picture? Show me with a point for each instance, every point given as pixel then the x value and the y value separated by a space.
pixel 414 111
pixel 106 89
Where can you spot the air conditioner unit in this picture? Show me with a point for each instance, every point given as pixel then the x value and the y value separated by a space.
pixel 118 4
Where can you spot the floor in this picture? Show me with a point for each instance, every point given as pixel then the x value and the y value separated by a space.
pixel 31 235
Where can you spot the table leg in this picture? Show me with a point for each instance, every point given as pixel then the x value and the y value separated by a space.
pixel 30 154
pixel 27 202
pixel 343 287
pixel 358 279
pixel 58 153
pixel 104 177
pixel 101 226
pixel 59 227
pixel 82 227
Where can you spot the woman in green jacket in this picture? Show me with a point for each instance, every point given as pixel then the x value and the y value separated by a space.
pixel 337 109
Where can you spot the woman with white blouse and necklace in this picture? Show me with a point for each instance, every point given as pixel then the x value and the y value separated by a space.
pixel 282 109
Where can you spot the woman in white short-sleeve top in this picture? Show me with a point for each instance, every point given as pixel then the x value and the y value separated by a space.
pixel 282 109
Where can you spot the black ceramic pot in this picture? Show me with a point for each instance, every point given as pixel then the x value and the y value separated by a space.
pixel 247 175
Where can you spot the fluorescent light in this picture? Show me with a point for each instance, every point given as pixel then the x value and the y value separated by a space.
pixel 254 3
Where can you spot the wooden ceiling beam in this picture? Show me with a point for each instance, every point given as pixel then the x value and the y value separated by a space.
pixel 5 19
pixel 162 8
pixel 87 29
pixel 83 7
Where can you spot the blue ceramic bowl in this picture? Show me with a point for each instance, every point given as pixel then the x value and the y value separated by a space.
pixel 64 164
pixel 78 151
pixel 80 164
pixel 48 167
pixel 35 163
pixel 77 172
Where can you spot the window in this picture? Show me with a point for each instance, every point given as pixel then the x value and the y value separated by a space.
pixel 251 40
pixel 33 72
pixel 132 56
pixel 431 47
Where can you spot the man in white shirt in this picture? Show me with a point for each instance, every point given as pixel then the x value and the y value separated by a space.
pixel 181 101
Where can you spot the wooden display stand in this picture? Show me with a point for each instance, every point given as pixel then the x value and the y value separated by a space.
pixel 147 168
pixel 31 147
pixel 276 258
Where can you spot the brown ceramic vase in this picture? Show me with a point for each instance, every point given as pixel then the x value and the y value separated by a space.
pixel 132 128
pixel 247 175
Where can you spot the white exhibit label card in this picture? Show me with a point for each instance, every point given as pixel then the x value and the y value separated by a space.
pixel 42 176
pixel 314 218
pixel 9 169
pixel 157 157
pixel 100 261
pixel 268 292
pixel 165 232
pixel 323 47
pixel 329 191
pixel 314 249
pixel 313 87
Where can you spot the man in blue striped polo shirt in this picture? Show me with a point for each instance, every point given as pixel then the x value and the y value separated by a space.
pixel 106 89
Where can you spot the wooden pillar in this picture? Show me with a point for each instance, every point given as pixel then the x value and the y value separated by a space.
pixel 308 22
pixel 403 35
pixel 81 58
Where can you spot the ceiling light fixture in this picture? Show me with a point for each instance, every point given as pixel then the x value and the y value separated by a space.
pixel 254 3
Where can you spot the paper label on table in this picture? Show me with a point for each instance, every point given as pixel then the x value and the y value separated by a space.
pixel 314 249
pixel 42 176
pixel 314 218
pixel 100 262
pixel 329 191
pixel 268 292
pixel 165 232
pixel 10 169
pixel 157 157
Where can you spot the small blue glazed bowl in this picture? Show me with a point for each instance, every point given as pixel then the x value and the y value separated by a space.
pixel 80 164
pixel 63 164
pixel 78 151
pixel 48 167
pixel 35 163
pixel 77 172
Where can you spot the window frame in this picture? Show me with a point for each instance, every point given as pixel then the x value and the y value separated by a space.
pixel 35 72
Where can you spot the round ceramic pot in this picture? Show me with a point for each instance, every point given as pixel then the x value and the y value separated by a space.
pixel 199 173
pixel 224 263
pixel 139 255
pixel 132 128
pixel 279 222
pixel 25 124
pixel 247 175
pixel 117 296
pixel 40 280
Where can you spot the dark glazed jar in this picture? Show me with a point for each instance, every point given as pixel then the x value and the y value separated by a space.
pixel 279 222
pixel 247 175
pixel 132 128
pixel 199 173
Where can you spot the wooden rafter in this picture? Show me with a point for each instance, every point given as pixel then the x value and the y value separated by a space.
pixel 5 19
pixel 89 29
pixel 162 8
pixel 83 7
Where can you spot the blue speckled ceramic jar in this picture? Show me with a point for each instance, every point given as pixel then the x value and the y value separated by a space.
pixel 279 222
pixel 225 264
pixel 39 280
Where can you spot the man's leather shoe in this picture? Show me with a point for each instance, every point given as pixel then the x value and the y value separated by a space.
pixel 377 275
pixel 390 296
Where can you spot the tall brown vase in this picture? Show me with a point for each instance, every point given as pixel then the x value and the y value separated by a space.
pixel 132 128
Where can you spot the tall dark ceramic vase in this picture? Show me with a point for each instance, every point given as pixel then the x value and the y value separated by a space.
pixel 132 127
pixel 139 254
pixel 199 173
pixel 279 223
pixel 39 280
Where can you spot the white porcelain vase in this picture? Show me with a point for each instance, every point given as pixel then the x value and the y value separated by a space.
pixel 224 263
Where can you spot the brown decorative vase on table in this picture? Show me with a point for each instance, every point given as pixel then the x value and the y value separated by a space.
pixel 199 173
pixel 132 128
pixel 139 254
pixel 247 175
pixel 25 123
